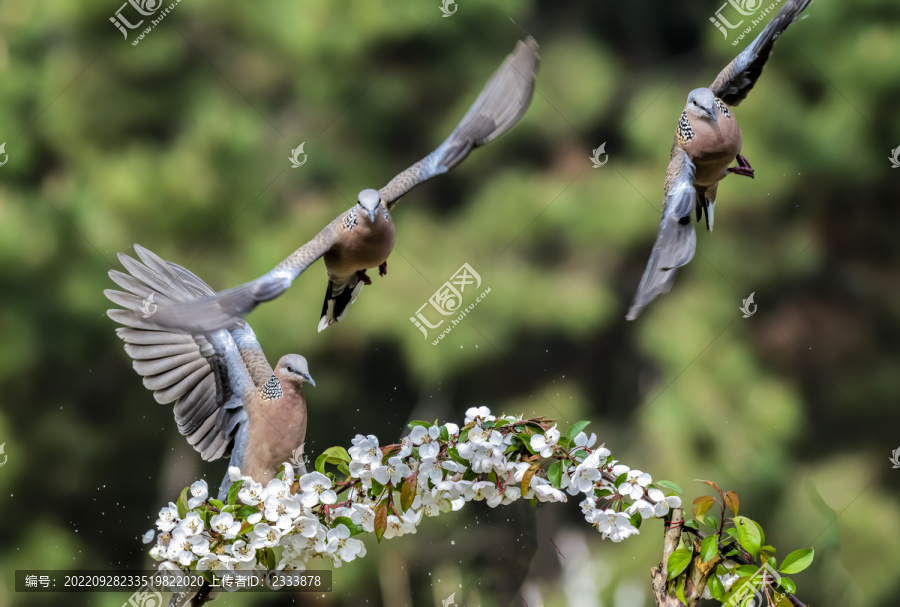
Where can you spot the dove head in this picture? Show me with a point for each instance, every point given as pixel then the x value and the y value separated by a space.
pixel 701 103
pixel 293 369
pixel 369 200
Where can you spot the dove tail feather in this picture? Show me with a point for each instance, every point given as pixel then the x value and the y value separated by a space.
pixel 337 303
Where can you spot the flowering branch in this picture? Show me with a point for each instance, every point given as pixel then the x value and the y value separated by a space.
pixel 388 490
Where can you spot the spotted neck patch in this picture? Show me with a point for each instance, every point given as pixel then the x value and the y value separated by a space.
pixel 350 220
pixel 684 130
pixel 271 389
pixel 723 108
pixel 384 212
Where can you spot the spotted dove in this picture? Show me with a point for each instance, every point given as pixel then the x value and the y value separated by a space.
pixel 363 236
pixel 227 397
pixel 707 139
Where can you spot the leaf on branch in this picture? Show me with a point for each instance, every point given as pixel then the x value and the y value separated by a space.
pixel 381 515
pixel 732 501
pixel 417 422
pixel 670 486
pixel 575 428
pixel 797 561
pixel 554 474
pixel 711 484
pixel 709 548
pixel 716 589
pixel 526 478
pixel 406 493
pixel 749 535
pixel 182 503
pixel 678 562
pixel 702 505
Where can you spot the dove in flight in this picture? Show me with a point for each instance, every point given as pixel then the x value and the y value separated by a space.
pixel 362 237
pixel 707 140
pixel 228 399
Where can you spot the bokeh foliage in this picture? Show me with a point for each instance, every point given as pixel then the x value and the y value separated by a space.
pixel 181 144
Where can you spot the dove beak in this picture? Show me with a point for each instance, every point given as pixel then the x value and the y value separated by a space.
pixel 371 214
pixel 712 114
pixel 308 379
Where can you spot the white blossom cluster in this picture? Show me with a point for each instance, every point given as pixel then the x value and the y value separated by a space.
pixel 388 490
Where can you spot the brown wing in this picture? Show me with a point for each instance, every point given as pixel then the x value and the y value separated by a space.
pixel 735 81
pixel 501 103
pixel 226 308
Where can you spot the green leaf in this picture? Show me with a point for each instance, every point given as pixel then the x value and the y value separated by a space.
pixel 381 514
pixel 320 463
pixel 501 422
pixel 332 455
pixel 692 523
pixel 575 428
pixel 353 527
pixel 182 503
pixel 746 570
pixel 716 589
pixel 217 503
pixel 732 501
pixel 679 589
pixel 711 521
pixel 709 547
pixel 788 585
pixel 797 561
pixel 749 535
pixel 619 480
pixel 554 474
pixel 526 440
pixel 445 434
pixel 452 452
pixel 246 511
pixel 702 505
pixel 269 559
pixel 415 423
pixel 678 562
pixel 670 486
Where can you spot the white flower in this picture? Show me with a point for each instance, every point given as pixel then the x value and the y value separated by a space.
pixel 192 524
pixel 613 525
pixel 429 471
pixel 634 484
pixel 662 503
pixel 583 442
pixel 548 493
pixel 366 516
pixel 277 507
pixel 431 504
pixel 480 435
pixel 483 490
pixel 168 518
pixel 452 429
pixel 365 449
pixel 543 443
pixel 254 518
pixel 243 552
pixel 394 471
pixel 316 488
pixel 397 526
pixel 342 545
pixel 266 534
pixel 182 547
pixel 474 412
pixel 278 488
pixel 511 494
pixel 427 439
pixel 405 446
pixel 234 474
pixel 225 524
pixel 252 493
pixel 199 492
pixel 362 470
pixel 588 505
pixel 307 526
pixel 583 479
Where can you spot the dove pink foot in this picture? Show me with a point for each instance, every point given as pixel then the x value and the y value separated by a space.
pixel 382 269
pixel 743 167
pixel 363 277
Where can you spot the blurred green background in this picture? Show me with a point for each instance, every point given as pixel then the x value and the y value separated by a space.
pixel 181 143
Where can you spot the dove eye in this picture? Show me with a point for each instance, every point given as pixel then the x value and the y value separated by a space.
pixel 290 369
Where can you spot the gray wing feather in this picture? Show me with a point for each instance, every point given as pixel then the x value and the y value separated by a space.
pixel 677 239
pixel 504 100
pixel 227 308
pixel 204 375
pixel 735 81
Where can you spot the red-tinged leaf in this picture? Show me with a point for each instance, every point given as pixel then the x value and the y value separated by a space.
pixel 702 505
pixel 732 501
pixel 526 478
pixel 381 514
pixel 406 493
pixel 711 484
